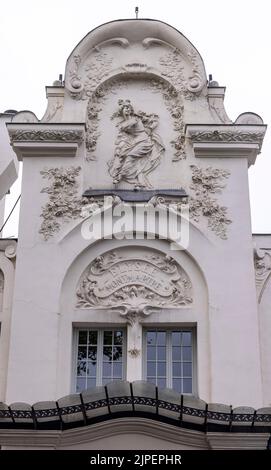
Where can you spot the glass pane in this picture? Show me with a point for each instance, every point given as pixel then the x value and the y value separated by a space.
pixel 177 369
pixel 187 369
pixel 107 337
pixel 92 337
pixel 107 353
pixel 118 337
pixel 80 384
pixel 151 369
pixel 92 353
pixel 176 353
pixel 152 380
pixel 161 353
pixel 117 353
pixel 161 369
pixel 117 370
pixel 161 383
pixel 151 352
pixel 187 385
pixel 176 338
pixel 83 337
pixel 105 380
pixel 161 338
pixel 91 383
pixel 81 368
pixel 177 385
pixel 151 337
pixel 91 369
pixel 187 338
pixel 187 353
pixel 107 369
pixel 82 353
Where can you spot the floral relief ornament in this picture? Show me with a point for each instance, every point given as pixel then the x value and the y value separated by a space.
pixel 173 103
pixel 64 203
pixel 173 69
pixel 207 181
pixel 94 72
pixel 94 107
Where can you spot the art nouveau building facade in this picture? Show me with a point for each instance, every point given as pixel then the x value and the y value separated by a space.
pixel 135 142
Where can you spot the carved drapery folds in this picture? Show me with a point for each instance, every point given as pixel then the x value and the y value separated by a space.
pixel 138 147
pixel 177 74
pixel 262 263
pixel 205 182
pixel 135 285
pixel 64 203
pixel 171 99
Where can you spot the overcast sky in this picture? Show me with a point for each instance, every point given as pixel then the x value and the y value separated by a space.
pixel 233 37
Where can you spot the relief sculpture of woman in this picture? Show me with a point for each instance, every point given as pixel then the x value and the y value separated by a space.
pixel 138 149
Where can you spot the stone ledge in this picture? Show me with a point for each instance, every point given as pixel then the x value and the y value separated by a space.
pixel 45 140
pixel 226 141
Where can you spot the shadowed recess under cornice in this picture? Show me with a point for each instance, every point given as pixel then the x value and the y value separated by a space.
pixel 143 399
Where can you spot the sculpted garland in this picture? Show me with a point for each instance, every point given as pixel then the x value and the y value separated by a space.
pixel 64 203
pixel 206 181
pixel 47 136
pixel 229 136
pixel 174 105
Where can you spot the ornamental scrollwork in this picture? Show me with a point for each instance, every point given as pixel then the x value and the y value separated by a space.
pixel 135 286
pixel 207 181
pixel 172 65
pixel 134 352
pixel 94 73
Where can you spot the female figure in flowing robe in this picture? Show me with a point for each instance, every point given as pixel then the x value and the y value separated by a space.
pixel 138 148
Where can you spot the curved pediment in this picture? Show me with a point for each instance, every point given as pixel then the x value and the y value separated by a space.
pixel 138 43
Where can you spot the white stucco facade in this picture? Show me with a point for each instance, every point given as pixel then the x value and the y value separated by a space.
pixel 169 132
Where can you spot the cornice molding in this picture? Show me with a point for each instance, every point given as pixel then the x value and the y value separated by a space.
pixel 226 140
pixel 45 140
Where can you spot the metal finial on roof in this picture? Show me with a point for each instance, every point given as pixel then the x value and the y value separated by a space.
pixel 136 12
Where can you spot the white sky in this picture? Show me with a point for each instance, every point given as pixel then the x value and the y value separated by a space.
pixel 233 37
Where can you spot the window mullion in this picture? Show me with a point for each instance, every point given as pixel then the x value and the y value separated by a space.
pixel 75 357
pixel 169 359
pixel 99 357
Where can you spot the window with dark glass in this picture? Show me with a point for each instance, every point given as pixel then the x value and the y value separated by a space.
pixel 169 359
pixel 100 357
